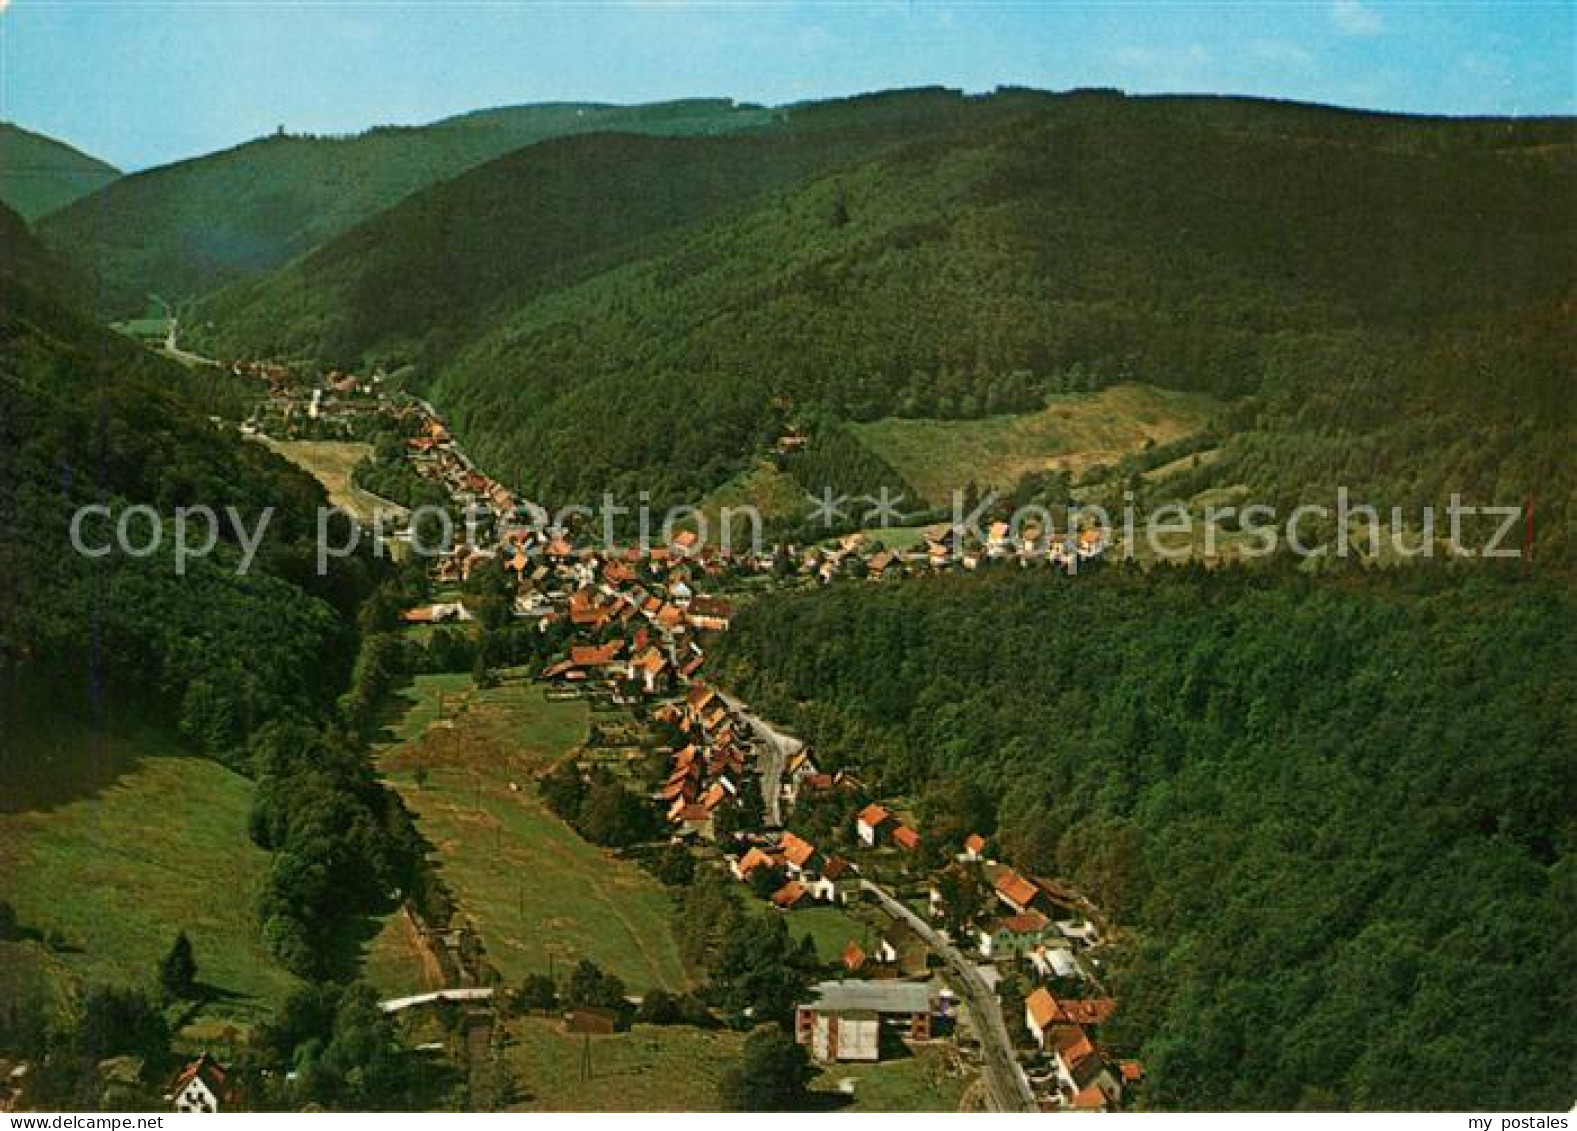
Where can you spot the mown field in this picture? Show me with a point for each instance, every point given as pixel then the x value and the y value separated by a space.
pixel 331 462
pixel 672 1068
pixel 537 892
pixel 677 1068
pixel 159 845
pixel 1073 432
pixel 832 928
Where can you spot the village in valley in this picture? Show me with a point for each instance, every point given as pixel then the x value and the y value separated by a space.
pixel 946 944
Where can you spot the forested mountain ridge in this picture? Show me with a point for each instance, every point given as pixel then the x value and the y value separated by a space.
pixel 969 278
pixel 1354 282
pixel 1333 818
pixel 183 229
pixel 90 417
pixel 423 278
pixel 39 174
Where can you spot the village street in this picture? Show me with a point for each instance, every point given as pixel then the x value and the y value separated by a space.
pixel 1007 1089
pixel 778 748
pixel 172 349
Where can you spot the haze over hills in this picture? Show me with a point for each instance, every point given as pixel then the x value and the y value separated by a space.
pixel 183 229
pixel 631 314
pixel 39 174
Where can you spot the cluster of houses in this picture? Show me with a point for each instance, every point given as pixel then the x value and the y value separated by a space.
pixel 637 628
pixel 808 873
pixel 1043 928
pixel 294 399
pixel 435 456
pixel 944 547
pixel 708 773
pixel 889 991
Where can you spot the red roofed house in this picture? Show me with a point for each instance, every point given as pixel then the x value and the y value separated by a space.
pixel 1015 891
pixel 835 882
pixel 1091 1098
pixel 906 838
pixel 1015 934
pixel 873 823
pixel 797 854
pixel 788 895
pixel 974 847
pixel 750 861
pixel 1080 1068
pixel 202 1086
pixel 649 668
pixel 595 656
pixel 1041 1012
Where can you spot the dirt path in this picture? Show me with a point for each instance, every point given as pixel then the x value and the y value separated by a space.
pixel 432 970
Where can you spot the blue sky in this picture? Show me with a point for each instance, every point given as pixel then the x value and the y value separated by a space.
pixel 143 82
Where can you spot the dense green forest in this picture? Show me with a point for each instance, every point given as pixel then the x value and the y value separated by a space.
pixel 246 666
pixel 421 279
pixel 646 314
pixel 180 230
pixel 39 175
pixel 91 418
pixel 1337 816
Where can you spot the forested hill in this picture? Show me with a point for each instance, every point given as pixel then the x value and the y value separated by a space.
pixel 39 174
pixel 180 230
pixel 424 277
pixel 88 417
pixel 1338 819
pixel 1357 275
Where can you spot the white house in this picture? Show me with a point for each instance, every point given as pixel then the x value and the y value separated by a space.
pixel 873 822
pixel 202 1086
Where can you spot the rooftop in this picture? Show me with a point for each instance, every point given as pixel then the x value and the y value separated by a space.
pixel 882 997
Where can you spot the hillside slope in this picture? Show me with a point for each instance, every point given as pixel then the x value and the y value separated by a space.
pixel 1359 293
pixel 183 229
pixel 423 278
pixel 87 417
pixel 39 174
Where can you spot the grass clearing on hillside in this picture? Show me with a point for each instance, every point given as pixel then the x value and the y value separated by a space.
pixel 331 462
pixel 161 848
pixel 1074 431
pixel 395 963
pixel 537 892
pixel 771 492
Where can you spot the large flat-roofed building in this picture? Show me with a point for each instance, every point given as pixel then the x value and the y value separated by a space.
pixel 843 1020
